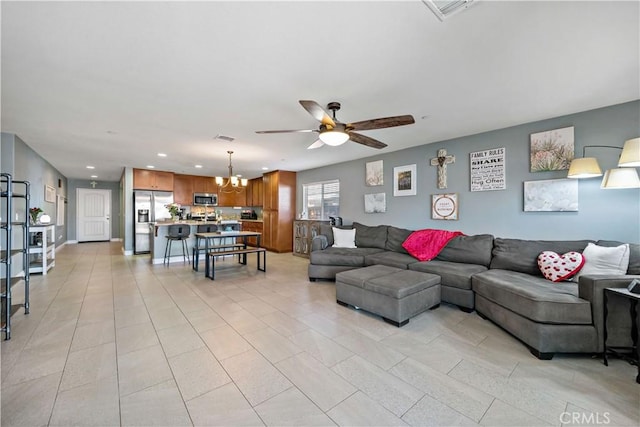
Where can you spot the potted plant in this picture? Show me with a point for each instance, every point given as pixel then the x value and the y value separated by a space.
pixel 174 210
pixel 34 212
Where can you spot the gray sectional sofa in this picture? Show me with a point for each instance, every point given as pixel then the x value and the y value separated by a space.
pixel 500 279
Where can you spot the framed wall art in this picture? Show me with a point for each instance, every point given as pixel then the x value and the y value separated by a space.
pixel 551 195
pixel 49 194
pixel 375 203
pixel 488 169
pixel 404 180
pixel 552 150
pixel 444 206
pixel 374 173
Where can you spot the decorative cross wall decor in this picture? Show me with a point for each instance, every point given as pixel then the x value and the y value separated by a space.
pixel 441 162
pixel 93 184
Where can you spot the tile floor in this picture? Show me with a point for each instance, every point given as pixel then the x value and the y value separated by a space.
pixel 112 340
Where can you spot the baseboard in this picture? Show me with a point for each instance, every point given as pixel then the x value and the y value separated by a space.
pixel 71 242
pixel 116 239
pixel 127 252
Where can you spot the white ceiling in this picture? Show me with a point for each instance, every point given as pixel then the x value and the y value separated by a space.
pixel 111 84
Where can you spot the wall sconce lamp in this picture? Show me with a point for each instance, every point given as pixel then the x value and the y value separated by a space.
pixel 624 176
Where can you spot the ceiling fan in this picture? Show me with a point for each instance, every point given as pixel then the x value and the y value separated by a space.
pixel 332 132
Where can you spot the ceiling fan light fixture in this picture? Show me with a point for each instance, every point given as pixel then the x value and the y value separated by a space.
pixel 334 137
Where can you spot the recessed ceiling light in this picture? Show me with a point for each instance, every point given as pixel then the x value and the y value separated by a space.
pixel 198 166
pixel 91 167
pixel 162 154
pixel 94 176
pixel 150 166
pixel 264 168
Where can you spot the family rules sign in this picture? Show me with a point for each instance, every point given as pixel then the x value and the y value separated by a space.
pixel 488 169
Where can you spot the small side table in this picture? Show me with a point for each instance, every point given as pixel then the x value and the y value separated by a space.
pixel 635 351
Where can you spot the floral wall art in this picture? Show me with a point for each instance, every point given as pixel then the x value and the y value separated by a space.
pixel 551 195
pixel 374 173
pixel 375 203
pixel 552 150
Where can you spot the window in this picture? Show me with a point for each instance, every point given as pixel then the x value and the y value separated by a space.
pixel 321 199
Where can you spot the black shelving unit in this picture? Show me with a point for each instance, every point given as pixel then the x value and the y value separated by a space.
pixel 8 251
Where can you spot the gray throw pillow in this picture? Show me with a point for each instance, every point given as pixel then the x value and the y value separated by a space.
pixel 370 237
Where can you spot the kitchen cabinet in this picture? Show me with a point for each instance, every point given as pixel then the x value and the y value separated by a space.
pixel 183 189
pixel 234 198
pixel 254 192
pixel 144 179
pixel 253 226
pixel 204 184
pixel 303 233
pixel 279 200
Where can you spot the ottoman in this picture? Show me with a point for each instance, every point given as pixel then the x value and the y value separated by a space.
pixel 392 293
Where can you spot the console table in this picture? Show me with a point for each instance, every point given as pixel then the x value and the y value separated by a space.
pixel 635 351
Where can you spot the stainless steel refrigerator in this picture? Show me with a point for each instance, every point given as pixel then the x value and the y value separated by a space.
pixel 148 207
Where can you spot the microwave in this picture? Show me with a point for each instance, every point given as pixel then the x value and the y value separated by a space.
pixel 205 199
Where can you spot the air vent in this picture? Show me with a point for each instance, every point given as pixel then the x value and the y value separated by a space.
pixel 443 8
pixel 224 138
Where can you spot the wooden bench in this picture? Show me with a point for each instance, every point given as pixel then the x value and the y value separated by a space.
pixel 195 258
pixel 210 260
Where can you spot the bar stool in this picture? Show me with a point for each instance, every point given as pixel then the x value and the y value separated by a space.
pixel 177 232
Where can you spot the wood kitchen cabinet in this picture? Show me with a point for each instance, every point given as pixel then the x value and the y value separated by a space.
pixel 235 198
pixel 279 201
pixel 144 179
pixel 183 189
pixel 256 192
pixel 204 184
pixel 253 226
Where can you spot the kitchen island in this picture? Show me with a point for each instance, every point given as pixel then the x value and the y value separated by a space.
pixel 159 232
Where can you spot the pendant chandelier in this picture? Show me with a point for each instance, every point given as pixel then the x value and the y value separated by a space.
pixel 232 183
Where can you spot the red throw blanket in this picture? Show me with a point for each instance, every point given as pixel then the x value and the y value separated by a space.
pixel 427 244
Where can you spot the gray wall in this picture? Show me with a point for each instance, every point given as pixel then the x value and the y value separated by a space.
pixel 603 214
pixel 114 186
pixel 30 166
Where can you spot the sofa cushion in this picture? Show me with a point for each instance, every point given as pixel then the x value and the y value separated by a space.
pixel 556 267
pixel 341 256
pixel 453 274
pixel 393 259
pixel 401 283
pixel 344 238
pixel 535 298
pixel 468 249
pixel 370 237
pixel 522 255
pixel 634 254
pixel 395 238
pixel 612 261
pixel 359 276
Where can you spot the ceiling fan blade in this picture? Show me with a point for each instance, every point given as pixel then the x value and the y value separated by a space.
pixel 316 144
pixel 288 131
pixel 385 122
pixel 365 140
pixel 317 112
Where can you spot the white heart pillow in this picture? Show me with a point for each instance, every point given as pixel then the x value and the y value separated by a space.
pixel 557 268
pixel 344 238
pixel 605 260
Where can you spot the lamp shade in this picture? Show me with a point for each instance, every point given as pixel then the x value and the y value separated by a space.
pixel 584 167
pixel 630 156
pixel 334 137
pixel 620 178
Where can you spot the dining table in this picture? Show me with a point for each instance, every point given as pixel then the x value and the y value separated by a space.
pixel 214 241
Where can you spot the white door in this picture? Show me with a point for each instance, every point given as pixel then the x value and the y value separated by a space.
pixel 93 215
